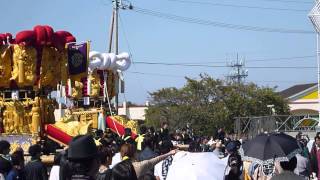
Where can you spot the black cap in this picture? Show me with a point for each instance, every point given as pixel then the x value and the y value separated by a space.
pixel 82 147
pixel 35 149
pixel 232 146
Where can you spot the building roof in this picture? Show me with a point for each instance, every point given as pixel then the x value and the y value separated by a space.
pixel 296 89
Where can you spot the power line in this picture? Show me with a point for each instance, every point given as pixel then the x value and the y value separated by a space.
pixel 218 61
pixel 181 76
pixel 155 74
pixel 289 1
pixel 238 6
pixel 177 64
pixel 218 24
pixel 224 66
pixel 130 50
pixel 281 67
pixel 125 35
pixel 283 58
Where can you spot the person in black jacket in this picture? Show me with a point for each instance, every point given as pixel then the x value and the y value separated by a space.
pixel 105 154
pixel 5 164
pixel 220 134
pixel 163 133
pixel 64 171
pixel 35 169
pixel 17 171
pixel 233 170
pixel 314 154
pixel 147 152
pixel 83 158
pixel 124 171
pixel 127 136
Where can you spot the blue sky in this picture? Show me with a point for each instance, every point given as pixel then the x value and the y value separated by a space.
pixel 154 39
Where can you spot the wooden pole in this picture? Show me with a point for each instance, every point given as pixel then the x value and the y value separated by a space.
pixel 111 33
pixel 116 44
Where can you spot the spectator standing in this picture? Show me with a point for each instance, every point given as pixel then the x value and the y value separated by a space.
pixel 5 164
pixel 140 138
pixel 190 131
pixel 185 136
pixel 284 170
pixel 234 162
pixel 35 169
pixel 123 170
pixel 217 148
pixel 83 158
pixel 17 171
pixel 303 164
pixel 221 134
pixel 64 170
pixel 163 133
pixel 161 169
pixel 127 136
pixel 315 156
pixel 147 152
pixel 303 141
pixel 55 170
pixel 105 154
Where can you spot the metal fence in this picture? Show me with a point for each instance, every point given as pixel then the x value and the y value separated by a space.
pixel 252 126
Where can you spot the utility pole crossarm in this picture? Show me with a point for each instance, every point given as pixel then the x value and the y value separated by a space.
pixel 237 72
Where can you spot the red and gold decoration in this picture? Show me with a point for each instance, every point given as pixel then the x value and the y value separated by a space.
pixel 35 62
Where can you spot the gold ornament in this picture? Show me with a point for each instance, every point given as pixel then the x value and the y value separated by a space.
pixel 73 127
pixel 133 125
pixel 95 85
pixel 63 63
pixel 77 89
pixel 5 65
pixel 50 67
pixel 111 83
pixel 18 117
pixel 35 116
pixel 7 120
pixel 24 65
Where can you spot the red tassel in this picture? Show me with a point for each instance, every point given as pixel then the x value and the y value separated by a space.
pixel 85 86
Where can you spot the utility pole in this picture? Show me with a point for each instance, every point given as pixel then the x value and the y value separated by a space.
pixel 114 37
pixel 237 73
pixel 116 49
pixel 314 17
pixel 111 33
pixel 116 6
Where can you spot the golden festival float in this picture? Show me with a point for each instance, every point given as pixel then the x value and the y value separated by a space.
pixel 53 88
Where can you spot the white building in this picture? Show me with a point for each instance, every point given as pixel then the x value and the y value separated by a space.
pixel 302 99
pixel 134 112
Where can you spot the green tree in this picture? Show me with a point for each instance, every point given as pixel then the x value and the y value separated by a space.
pixel 209 103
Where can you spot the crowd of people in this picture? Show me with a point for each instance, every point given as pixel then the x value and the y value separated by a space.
pixel 148 156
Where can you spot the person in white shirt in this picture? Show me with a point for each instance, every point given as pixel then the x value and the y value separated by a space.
pixel 2 177
pixel 115 160
pixel 161 169
pixel 54 173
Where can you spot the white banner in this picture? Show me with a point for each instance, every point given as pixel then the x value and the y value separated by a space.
pixel 196 166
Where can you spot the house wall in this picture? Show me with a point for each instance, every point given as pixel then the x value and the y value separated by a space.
pixel 135 113
pixel 304 107
pixel 305 102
